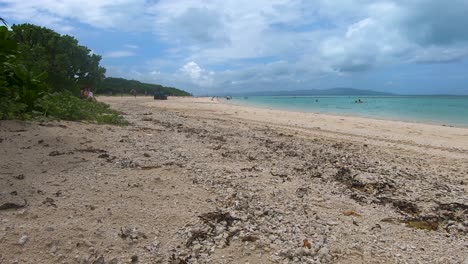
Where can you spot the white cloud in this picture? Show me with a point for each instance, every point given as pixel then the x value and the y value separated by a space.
pixel 197 74
pixel 131 46
pixel 267 41
pixel 119 54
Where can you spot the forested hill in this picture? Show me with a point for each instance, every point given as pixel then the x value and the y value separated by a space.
pixel 123 86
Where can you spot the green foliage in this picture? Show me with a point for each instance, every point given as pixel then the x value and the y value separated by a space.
pixel 68 107
pixel 10 109
pixel 43 59
pixel 69 65
pixel 19 88
pixel 123 86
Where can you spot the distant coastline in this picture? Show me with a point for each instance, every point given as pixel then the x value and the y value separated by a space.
pixel 330 92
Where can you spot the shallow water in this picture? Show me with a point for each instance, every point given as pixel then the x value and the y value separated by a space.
pixel 446 110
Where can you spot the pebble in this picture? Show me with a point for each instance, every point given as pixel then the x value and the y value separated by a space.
pixel 323 252
pixel 23 240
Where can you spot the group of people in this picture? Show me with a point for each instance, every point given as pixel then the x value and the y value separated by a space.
pixel 87 93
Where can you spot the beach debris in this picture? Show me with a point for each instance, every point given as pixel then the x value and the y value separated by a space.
pixel 131 233
pixel 230 236
pixel 350 212
pixel 11 201
pixel 198 235
pixel 49 202
pixel 307 244
pixel 250 238
pixel 91 150
pixel 250 169
pixel 365 182
pixel 127 163
pixel 153 247
pixel 56 153
pixel 218 217
pixel 453 211
pixel 391 220
pixel 104 156
pixel 302 191
pixel 19 177
pixel 150 167
pixel 404 206
pixel 430 223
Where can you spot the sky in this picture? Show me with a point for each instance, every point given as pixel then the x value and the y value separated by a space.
pixel 207 47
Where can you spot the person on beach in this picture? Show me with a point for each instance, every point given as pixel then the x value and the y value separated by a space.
pixel 133 92
pixel 85 92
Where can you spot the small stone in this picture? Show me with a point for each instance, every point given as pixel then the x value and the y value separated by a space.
pixel 134 259
pixel 23 240
pixel 196 249
pixel 323 252
pixel 99 260
pixel 19 177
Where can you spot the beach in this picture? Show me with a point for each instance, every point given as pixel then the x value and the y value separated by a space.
pixel 195 180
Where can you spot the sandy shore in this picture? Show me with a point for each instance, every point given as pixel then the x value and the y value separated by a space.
pixel 195 181
pixel 431 137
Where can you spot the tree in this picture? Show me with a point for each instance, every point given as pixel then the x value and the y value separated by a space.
pixel 19 88
pixel 120 85
pixel 69 65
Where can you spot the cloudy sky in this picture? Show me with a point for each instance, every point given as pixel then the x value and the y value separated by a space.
pixel 401 46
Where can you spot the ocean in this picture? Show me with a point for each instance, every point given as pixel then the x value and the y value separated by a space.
pixel 439 110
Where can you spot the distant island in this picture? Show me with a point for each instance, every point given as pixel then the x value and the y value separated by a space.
pixel 112 85
pixel 332 91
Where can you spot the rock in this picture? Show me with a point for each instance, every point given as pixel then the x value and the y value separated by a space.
pixel 99 260
pixel 10 201
pixel 196 250
pixel 134 259
pixel 324 253
pixel 301 252
pixel 23 240
pixel 19 177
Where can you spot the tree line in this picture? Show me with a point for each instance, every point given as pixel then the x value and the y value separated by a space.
pixel 122 86
pixel 42 73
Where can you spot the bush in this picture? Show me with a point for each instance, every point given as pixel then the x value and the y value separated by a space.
pixel 68 107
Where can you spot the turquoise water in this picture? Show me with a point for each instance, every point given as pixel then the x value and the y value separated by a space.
pixel 442 110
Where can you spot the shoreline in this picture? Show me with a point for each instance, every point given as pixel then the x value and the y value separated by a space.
pixel 434 138
pixel 434 123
